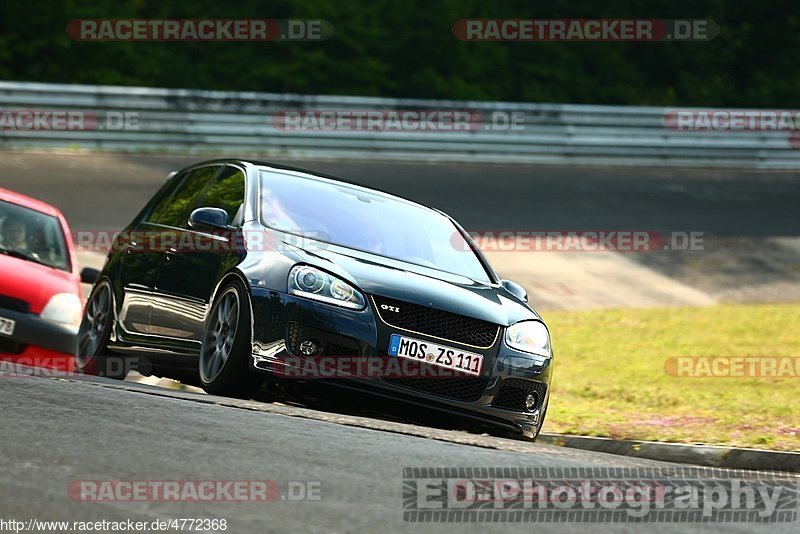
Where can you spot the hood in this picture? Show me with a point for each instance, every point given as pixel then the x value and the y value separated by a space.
pixel 34 283
pixel 399 280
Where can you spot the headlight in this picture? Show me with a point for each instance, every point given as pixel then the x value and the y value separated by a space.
pixel 318 285
pixel 63 308
pixel 529 336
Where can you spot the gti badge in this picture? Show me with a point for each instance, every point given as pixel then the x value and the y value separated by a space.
pixel 390 308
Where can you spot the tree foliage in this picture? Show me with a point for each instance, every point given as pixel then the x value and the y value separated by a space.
pixel 407 49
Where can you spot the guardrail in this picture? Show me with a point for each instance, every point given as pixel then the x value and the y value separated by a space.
pixel 248 123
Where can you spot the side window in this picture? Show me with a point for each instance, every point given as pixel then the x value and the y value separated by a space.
pixel 227 193
pixel 166 193
pixel 173 210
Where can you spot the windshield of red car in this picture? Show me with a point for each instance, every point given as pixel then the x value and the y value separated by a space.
pixel 32 236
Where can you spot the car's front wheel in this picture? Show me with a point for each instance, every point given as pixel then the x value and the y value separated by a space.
pixel 225 354
pixel 91 352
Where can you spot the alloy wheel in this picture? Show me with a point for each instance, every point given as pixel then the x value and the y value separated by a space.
pixel 218 345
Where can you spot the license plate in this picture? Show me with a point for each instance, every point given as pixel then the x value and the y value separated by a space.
pixel 6 326
pixel 433 354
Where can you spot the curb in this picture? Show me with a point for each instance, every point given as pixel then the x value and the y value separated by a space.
pixel 705 455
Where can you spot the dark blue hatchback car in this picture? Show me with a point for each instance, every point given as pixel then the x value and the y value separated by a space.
pixel 240 271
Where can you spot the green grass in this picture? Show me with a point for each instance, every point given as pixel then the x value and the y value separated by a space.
pixel 610 378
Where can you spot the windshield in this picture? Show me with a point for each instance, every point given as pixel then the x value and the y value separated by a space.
pixel 369 221
pixel 33 236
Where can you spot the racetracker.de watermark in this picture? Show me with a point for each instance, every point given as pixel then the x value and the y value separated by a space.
pixel 733 366
pixel 223 241
pixel 67 120
pixel 580 241
pixel 193 30
pixel 597 495
pixel 425 366
pixel 584 30
pixel 12 366
pixel 396 120
pixel 193 491
pixel 179 241
pixel 732 120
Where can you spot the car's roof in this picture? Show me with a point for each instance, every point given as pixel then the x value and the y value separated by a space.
pixel 28 202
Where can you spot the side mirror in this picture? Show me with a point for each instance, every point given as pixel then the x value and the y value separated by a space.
pixel 515 289
pixel 209 218
pixel 89 275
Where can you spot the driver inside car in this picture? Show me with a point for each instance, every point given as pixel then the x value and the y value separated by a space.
pixel 14 235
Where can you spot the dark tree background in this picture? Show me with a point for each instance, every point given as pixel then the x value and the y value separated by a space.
pixel 405 48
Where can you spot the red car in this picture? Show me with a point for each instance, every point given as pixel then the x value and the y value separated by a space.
pixel 40 291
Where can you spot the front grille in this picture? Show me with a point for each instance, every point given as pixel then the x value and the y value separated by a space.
pixel 457 388
pixel 513 392
pixel 14 304
pixel 437 323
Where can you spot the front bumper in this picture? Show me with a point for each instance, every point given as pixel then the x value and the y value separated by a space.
pixel 32 331
pixel 282 321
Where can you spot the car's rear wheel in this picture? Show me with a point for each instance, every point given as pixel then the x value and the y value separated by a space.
pixel 91 350
pixel 225 355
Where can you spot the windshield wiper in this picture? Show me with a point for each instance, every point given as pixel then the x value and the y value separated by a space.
pixel 21 255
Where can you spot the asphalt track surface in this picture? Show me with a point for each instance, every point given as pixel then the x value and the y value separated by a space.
pixel 55 431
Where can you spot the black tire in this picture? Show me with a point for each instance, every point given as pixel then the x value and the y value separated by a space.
pixel 224 363
pixel 92 356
